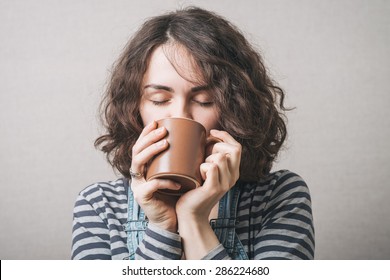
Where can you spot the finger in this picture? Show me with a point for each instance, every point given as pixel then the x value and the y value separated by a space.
pixel 146 191
pixel 229 144
pixel 224 167
pixel 137 179
pixel 224 136
pixel 209 172
pixel 139 160
pixel 224 148
pixel 148 128
pixel 216 158
pixel 148 139
pixel 232 150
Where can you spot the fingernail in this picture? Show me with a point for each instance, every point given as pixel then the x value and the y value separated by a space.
pixel 160 130
pixel 161 143
pixel 150 125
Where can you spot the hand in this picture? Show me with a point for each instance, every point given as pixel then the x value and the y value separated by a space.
pixel 159 208
pixel 220 172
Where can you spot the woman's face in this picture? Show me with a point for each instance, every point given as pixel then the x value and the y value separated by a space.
pixel 170 91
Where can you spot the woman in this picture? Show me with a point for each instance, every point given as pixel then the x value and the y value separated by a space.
pixel 194 64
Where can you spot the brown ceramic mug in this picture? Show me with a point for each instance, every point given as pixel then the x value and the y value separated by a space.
pixel 181 161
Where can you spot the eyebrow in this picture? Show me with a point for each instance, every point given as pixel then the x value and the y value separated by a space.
pixel 169 89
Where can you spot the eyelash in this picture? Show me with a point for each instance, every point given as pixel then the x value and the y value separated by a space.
pixel 159 103
pixel 202 104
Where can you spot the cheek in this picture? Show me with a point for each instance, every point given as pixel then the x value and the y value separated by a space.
pixel 151 113
pixel 146 115
pixel 210 122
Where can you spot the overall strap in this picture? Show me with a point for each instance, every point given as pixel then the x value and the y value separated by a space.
pixel 135 226
pixel 224 225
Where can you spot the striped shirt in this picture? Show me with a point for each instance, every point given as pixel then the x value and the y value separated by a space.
pixel 274 222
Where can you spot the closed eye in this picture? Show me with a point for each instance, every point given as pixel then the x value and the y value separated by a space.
pixel 159 103
pixel 204 103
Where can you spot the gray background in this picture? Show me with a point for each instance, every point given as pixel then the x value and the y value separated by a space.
pixel 331 57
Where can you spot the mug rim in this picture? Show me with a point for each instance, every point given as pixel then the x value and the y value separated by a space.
pixel 179 118
pixel 166 174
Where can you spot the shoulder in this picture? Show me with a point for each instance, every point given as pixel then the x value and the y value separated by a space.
pixel 278 180
pixel 98 217
pixel 114 189
pixel 283 220
pixel 284 180
pixel 112 194
pixel 287 192
pixel 102 205
pixel 282 177
pixel 281 185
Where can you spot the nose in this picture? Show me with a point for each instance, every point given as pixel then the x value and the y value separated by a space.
pixel 181 110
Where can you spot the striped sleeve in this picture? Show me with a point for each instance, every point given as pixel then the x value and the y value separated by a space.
pixel 159 244
pixel 287 230
pixel 98 217
pixel 90 233
pixel 218 253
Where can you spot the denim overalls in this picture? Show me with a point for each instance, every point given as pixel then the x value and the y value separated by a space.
pixel 223 226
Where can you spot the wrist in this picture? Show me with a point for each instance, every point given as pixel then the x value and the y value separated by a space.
pixel 198 238
pixel 192 224
pixel 166 226
pixel 192 220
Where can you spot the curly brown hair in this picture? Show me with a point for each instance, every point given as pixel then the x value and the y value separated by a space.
pixel 250 104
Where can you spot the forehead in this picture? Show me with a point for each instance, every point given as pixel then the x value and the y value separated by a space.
pixel 174 57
